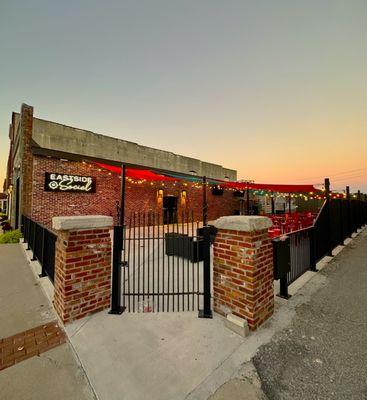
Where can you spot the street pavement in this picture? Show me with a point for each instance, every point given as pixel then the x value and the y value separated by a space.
pixel 322 354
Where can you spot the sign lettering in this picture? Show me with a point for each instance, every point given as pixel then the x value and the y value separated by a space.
pixel 69 183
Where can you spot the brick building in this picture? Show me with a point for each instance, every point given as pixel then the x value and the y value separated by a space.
pixel 42 151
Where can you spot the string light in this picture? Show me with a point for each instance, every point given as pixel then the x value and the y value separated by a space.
pixel 254 192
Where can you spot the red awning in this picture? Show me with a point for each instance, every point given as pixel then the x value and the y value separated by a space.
pixel 281 188
pixel 138 174
pixel 145 174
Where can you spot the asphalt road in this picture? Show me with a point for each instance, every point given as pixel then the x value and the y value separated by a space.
pixel 323 353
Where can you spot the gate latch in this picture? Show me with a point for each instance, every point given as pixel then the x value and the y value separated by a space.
pixel 124 264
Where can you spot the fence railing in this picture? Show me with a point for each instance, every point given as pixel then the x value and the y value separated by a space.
pixel 301 250
pixel 300 255
pixel 41 242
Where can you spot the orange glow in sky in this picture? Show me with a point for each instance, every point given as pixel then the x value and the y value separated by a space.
pixel 277 91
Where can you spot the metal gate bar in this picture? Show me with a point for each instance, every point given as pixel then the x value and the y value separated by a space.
pixel 164 264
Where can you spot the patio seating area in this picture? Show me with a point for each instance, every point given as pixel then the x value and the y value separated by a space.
pixel 290 222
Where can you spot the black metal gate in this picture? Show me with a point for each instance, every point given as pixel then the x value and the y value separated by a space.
pixel 165 267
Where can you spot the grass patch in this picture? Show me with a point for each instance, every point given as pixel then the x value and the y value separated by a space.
pixel 10 237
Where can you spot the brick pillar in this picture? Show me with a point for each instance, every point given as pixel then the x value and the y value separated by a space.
pixel 243 269
pixel 82 265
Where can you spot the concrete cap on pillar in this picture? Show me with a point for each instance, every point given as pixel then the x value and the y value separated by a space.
pixel 81 222
pixel 245 223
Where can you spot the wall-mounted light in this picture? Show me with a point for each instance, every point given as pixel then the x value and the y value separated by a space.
pixel 160 196
pixel 183 197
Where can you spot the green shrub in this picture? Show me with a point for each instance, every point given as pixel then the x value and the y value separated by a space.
pixel 10 237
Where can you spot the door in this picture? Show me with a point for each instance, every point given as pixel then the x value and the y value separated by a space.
pixel 169 209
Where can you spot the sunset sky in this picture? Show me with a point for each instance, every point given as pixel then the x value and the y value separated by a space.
pixel 274 89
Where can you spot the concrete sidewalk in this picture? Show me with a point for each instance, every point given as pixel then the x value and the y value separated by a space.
pixel 160 356
pixel 323 352
pixel 55 374
pixel 176 356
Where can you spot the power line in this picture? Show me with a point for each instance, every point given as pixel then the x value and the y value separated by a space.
pixel 349 177
pixel 332 175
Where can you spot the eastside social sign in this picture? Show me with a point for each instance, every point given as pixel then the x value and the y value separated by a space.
pixel 69 183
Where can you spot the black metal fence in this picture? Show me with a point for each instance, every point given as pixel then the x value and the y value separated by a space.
pixel 300 255
pixel 164 267
pixel 337 220
pixel 41 242
pixel 301 250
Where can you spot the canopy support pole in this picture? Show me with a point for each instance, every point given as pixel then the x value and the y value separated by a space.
pixel 272 204
pixel 289 203
pixel 123 184
pixel 205 204
pixel 248 201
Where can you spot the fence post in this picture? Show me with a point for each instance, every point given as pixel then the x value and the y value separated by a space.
pixel 328 207
pixel 34 258
pixel 282 264
pixel 206 312
pixel 349 211
pixel 283 288
pixel 118 237
pixel 312 249
pixel 342 223
pixel 25 230
pixel 359 209
pixel 42 261
pixel 28 234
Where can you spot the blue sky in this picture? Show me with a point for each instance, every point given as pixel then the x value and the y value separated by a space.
pixel 274 89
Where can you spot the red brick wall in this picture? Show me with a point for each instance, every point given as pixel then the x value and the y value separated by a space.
pixel 139 197
pixel 55 204
pixel 26 172
pixel 243 275
pixel 82 272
